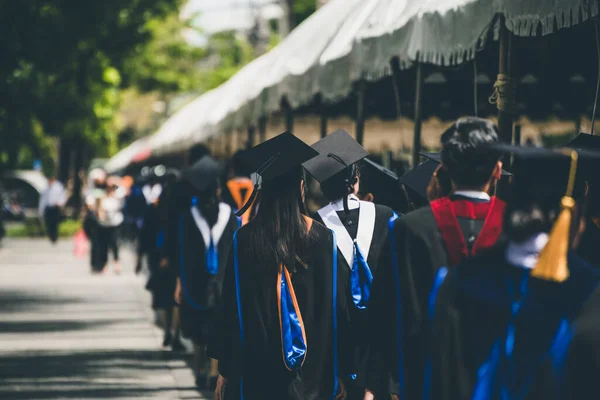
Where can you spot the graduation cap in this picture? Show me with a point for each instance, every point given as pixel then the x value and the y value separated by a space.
pixel 202 173
pixel 336 152
pixel 545 176
pixel 383 183
pixel 417 179
pixel 274 158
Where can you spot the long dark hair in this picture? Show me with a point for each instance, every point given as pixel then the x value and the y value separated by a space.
pixel 208 203
pixel 278 232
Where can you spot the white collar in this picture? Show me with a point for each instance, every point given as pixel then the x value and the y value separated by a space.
pixel 525 254
pixel 353 203
pixel 366 227
pixel 219 227
pixel 473 194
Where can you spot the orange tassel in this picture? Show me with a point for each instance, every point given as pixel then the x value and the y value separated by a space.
pixel 552 262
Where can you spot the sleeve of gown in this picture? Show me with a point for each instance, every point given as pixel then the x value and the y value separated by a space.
pixel 411 252
pixel 221 341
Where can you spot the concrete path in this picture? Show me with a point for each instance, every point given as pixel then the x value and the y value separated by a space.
pixel 65 334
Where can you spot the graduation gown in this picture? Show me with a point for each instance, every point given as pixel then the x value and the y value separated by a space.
pixel 260 363
pixel 422 241
pixel 237 192
pixel 589 248
pixel 372 239
pixel 201 288
pixel 480 302
pixel 161 282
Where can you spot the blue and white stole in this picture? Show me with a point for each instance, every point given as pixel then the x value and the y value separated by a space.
pixel 211 236
pixel 355 252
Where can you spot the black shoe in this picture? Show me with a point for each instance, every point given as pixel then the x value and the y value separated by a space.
pixel 177 345
pixel 167 340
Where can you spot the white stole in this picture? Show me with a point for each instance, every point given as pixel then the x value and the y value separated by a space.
pixel 217 229
pixel 366 227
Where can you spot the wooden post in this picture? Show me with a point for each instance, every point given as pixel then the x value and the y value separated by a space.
pixel 289 117
pixel 395 66
pixel 323 122
pixel 517 135
pixel 505 118
pixel 251 134
pixel 360 112
pixel 418 122
pixel 228 143
pixel 262 129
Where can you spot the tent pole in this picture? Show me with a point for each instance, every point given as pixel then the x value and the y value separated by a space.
pixel 360 112
pixel 323 121
pixel 418 122
pixel 505 117
pixel 262 129
pixel 251 134
pixel 289 117
pixel 227 141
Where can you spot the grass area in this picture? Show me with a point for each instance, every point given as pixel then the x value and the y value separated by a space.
pixel 32 227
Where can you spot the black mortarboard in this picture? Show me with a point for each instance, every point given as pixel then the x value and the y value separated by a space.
pixel 585 141
pixel 384 185
pixel 277 156
pixel 417 180
pixel 274 158
pixel 541 175
pixel 202 173
pixel 337 151
pixel 437 157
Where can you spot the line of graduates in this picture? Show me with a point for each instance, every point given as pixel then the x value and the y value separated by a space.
pixel 484 289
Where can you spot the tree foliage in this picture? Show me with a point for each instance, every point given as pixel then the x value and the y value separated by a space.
pixel 61 68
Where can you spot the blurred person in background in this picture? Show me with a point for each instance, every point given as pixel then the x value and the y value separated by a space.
pixel 110 217
pixel 51 202
pixel 152 247
pixel 239 187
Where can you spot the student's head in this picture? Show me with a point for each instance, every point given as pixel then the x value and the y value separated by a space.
pixel 208 201
pixel 341 184
pixel 197 152
pixel 470 164
pixel 238 167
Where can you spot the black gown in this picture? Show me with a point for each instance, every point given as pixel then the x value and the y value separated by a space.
pixel 161 282
pixel 419 250
pixel 201 290
pixel 261 363
pixel 589 248
pixel 359 318
pixel 471 318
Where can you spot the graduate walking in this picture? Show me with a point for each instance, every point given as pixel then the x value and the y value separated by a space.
pixel 445 233
pixel 361 230
pixel 204 239
pixel 282 317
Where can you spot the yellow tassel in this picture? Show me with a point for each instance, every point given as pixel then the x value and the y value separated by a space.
pixel 552 262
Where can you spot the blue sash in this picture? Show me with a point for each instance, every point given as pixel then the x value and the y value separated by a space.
pixel 293 334
pixel 334 307
pixel 398 306
pixel 160 239
pixel 360 279
pixel 212 257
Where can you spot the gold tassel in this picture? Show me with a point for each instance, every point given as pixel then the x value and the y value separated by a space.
pixel 552 262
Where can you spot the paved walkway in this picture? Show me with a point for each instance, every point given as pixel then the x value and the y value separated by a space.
pixel 65 334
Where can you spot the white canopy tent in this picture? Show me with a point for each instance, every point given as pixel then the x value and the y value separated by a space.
pixel 350 40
